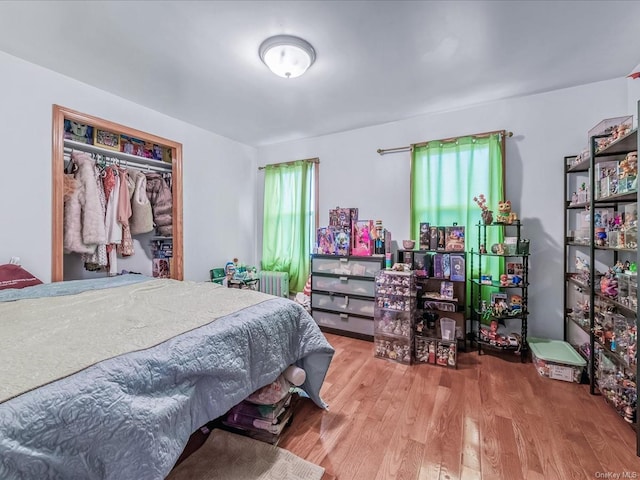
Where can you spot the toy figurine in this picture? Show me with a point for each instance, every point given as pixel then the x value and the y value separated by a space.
pixel 515 303
pixel 609 285
pixel 493 332
pixel 452 355
pixel 628 414
pixel 497 248
pixel 432 352
pixel 505 215
pixel 504 280
pixel 442 355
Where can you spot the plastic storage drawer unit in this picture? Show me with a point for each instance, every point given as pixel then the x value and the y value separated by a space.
pixel 556 359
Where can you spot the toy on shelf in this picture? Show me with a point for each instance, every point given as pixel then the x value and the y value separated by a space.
pixel 629 166
pixel 505 215
pixel 609 285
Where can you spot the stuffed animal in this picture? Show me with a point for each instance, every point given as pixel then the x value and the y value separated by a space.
pixel 629 166
pixel 505 215
pixel 275 391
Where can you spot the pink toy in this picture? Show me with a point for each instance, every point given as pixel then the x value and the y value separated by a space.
pixel 362 241
pixel 278 389
pixel 609 285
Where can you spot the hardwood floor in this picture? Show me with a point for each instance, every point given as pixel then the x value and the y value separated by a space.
pixel 492 418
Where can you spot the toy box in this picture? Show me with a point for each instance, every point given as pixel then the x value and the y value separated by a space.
pixel 607 179
pixel 556 359
pixel 422 264
pixel 425 236
pixel 78 132
pixel 446 354
pixel 325 241
pixel 442 238
pixel 438 268
pixel 132 146
pixel 446 265
pixel 396 350
pixel 614 128
pixel 433 238
pixel 458 268
pixel 362 244
pixel 343 217
pixel 454 239
pixel 342 238
pixel 425 349
pixel 396 323
pixel 429 349
pixel 105 139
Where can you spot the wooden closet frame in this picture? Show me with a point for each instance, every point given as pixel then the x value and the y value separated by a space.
pixel 57 199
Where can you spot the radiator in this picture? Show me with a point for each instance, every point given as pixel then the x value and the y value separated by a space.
pixel 275 283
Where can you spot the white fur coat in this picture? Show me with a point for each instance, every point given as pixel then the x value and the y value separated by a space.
pixel 84 226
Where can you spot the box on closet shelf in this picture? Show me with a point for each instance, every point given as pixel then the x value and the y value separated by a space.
pixel 106 139
pixel 78 132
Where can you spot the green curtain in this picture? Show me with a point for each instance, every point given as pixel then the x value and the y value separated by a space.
pixel 445 177
pixel 288 220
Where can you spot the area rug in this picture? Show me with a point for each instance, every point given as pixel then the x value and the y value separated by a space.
pixel 229 456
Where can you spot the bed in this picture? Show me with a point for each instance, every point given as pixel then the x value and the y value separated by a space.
pixel 108 378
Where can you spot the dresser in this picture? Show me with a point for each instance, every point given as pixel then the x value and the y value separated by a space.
pixel 343 293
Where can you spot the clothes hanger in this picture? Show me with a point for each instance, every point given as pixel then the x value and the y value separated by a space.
pixel 71 167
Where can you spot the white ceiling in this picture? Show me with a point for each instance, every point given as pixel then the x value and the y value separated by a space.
pixel 377 61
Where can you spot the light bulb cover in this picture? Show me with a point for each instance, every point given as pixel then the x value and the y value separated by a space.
pixel 287 56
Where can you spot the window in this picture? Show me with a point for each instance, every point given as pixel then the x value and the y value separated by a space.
pixel 290 221
pixel 447 175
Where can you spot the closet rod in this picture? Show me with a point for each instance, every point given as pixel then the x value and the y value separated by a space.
pixel 125 163
pixel 409 148
pixel 88 148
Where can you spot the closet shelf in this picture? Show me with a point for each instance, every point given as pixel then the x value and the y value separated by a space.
pixel 128 159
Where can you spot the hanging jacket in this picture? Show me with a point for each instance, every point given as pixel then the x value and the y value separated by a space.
pixel 84 226
pixel 159 195
pixel 141 220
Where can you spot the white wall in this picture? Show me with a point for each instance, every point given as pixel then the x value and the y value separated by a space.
pixel 219 174
pixel 546 127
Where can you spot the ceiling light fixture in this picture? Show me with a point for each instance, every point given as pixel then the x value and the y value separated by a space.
pixel 287 56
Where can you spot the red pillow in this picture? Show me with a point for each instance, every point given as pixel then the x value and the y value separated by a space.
pixel 14 276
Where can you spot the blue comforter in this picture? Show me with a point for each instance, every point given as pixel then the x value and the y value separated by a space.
pixel 130 416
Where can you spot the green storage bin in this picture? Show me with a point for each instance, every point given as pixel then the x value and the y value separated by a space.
pixel 217 275
pixel 556 359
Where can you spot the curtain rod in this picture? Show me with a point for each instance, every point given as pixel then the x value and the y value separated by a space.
pixel 409 148
pixel 310 160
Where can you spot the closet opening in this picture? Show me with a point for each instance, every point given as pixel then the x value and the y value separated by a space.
pixel 142 230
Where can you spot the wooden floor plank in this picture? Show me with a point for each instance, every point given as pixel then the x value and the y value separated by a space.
pixel 492 418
